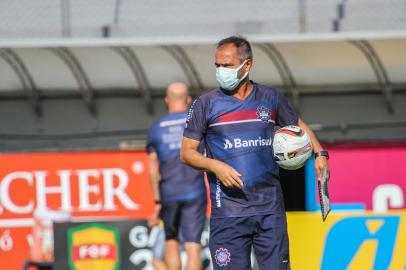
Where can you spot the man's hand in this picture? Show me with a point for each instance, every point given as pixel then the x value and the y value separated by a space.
pixel 154 219
pixel 320 163
pixel 226 174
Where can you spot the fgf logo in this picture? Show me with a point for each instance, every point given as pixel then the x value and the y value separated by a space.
pixel 94 246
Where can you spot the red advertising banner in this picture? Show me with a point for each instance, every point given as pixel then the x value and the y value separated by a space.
pixel 88 185
pixel 363 177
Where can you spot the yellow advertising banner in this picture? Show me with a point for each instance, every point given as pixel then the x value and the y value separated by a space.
pixel 348 240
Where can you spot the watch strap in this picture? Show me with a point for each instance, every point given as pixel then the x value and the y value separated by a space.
pixel 322 153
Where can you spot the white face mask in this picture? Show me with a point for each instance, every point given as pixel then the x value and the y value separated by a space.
pixel 228 77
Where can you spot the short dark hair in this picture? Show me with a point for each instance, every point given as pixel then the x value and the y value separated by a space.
pixel 243 46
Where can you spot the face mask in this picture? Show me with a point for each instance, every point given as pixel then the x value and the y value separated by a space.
pixel 228 77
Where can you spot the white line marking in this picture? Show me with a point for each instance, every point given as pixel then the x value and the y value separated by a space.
pixel 238 122
pixel 29 222
pixel 16 222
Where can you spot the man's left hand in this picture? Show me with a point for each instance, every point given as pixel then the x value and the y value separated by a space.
pixel 320 163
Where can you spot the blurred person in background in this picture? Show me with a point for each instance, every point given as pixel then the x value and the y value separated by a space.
pixel 179 191
pixel 236 122
pixel 158 250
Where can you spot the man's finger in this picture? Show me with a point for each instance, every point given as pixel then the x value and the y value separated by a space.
pixel 318 173
pixel 229 181
pixel 226 183
pixel 237 180
pixel 236 172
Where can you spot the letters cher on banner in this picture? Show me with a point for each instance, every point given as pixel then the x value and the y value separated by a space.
pixel 89 185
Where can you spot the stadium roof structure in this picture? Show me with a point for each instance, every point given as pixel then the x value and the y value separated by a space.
pixel 309 65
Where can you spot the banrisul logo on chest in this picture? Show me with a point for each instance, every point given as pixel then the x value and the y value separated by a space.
pixel 243 143
pixel 94 246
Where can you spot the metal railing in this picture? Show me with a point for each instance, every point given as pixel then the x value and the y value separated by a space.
pixel 142 18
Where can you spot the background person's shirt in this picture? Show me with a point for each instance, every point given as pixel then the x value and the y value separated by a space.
pixel 240 133
pixel 179 182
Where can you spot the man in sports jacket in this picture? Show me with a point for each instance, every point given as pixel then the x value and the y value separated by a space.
pixel 236 122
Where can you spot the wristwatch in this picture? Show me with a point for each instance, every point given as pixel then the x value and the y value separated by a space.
pixel 322 153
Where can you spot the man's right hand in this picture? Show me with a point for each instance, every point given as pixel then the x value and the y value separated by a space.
pixel 226 174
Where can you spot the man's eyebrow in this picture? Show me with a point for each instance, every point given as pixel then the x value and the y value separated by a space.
pixel 222 65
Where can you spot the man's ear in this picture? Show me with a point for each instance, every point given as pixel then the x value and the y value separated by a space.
pixel 189 100
pixel 166 100
pixel 249 64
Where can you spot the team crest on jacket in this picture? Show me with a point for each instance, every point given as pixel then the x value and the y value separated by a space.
pixel 264 114
pixel 222 256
